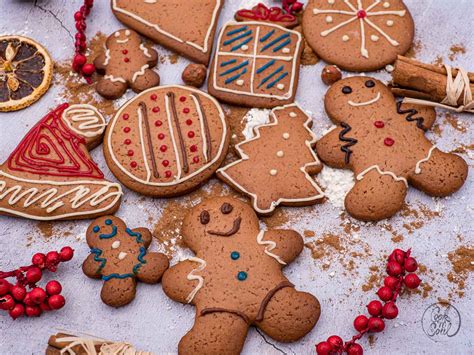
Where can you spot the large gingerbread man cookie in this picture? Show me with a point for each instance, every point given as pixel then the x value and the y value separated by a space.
pixel 126 62
pixel 235 280
pixel 119 257
pixel 384 143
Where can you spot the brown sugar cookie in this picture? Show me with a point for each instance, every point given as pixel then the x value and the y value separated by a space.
pixel 126 62
pixel 120 258
pixel 187 27
pixel 235 280
pixel 276 165
pixel 167 140
pixel 383 142
pixel 256 65
pixel 358 35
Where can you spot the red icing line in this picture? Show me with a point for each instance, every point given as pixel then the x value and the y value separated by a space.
pixel 388 142
pixel 52 135
pixel 261 12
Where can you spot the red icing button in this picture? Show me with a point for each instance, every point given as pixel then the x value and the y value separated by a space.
pixel 186 110
pixel 388 142
pixel 379 124
pixel 126 129
pixel 165 163
pixel 133 164
pixel 361 14
pixel 196 159
pixel 189 122
pixel 156 109
pixel 158 123
pixel 161 136
pixel 182 98
pixel 126 59
pixel 125 116
pixel 125 51
pixel 163 148
pixel 193 148
pixel 127 141
pixel 153 97
pixel 130 153
pixel 168 173
pixel 191 134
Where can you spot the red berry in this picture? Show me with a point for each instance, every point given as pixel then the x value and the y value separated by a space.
pixel 7 302
pixel 66 253
pixel 33 311
pixel 33 275
pixel 394 268
pixel 374 308
pixel 37 295
pixel 56 302
pixel 323 348
pixel 52 260
pixel 17 311
pixel 398 255
pixel 385 293
pixel 89 3
pixel 53 288
pixel 360 323
pixel 296 7
pixel 5 287
pixel 355 349
pixel 28 300
pixel 79 60
pixel 80 36
pixel 18 292
pixel 376 324
pixel 335 341
pixel 45 306
pixel 390 310
pixel 88 69
pixel 412 281
pixel 410 264
pixel 390 282
pixel 39 259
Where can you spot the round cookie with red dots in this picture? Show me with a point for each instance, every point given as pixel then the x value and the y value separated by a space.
pixel 167 140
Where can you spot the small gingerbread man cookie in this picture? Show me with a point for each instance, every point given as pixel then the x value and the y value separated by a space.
pixel 235 280
pixel 119 257
pixel 125 63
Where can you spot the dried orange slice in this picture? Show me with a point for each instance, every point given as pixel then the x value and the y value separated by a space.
pixel 26 70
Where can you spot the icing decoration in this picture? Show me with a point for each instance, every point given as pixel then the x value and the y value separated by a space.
pixel 235 255
pixel 379 124
pixel 280 154
pixel 362 15
pixel 293 114
pixel 286 135
pixel 107 56
pixel 143 116
pixel 390 23
pixel 376 167
pixel 418 164
pixel 269 246
pixel 115 79
pixel 206 136
pixel 263 13
pixel 350 141
pixel 388 142
pixel 242 276
pixel 122 255
pixel 329 19
pixel 90 122
pixel 273 172
pixel 116 244
pixel 370 102
pixel 411 112
pixel 140 72
pixel 172 100
pixel 191 276
pixel 145 50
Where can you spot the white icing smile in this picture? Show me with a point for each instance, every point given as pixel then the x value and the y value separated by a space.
pixel 375 99
pixel 122 40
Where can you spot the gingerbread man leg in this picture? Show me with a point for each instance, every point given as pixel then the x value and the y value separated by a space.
pixel 376 196
pixel 290 315
pixel 151 271
pixel 111 89
pixel 118 292
pixel 441 174
pixel 145 81
pixel 215 333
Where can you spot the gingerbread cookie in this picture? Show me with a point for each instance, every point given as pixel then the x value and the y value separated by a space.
pixel 276 165
pixel 167 140
pixel 235 280
pixel 120 258
pixel 256 64
pixel 125 63
pixel 51 176
pixel 384 143
pixel 358 35
pixel 163 22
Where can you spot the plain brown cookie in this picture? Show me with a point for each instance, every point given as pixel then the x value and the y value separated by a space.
pixel 167 141
pixel 235 280
pixel 187 27
pixel 126 62
pixel 194 75
pixel 256 65
pixel 358 35
pixel 383 142
pixel 119 257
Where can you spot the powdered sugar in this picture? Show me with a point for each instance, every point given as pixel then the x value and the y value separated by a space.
pixel 337 183
pixel 255 117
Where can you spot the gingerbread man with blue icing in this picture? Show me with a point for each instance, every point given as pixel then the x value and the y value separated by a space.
pixel 120 258
pixel 236 280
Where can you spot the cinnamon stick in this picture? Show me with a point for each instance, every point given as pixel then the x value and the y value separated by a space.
pixel 54 344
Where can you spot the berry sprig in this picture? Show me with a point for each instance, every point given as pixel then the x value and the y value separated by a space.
pixel 399 263
pixel 79 63
pixel 292 6
pixel 18 301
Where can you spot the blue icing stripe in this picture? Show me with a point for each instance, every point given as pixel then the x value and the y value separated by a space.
pixel 237 30
pixel 235 77
pixel 117 276
pixel 275 41
pixel 234 48
pixel 237 67
pixel 276 49
pixel 236 38
pixel 232 61
pixel 140 259
pixel 265 66
pixel 271 75
pixel 98 253
pixel 138 236
pixel 110 235
pixel 269 86
pixel 267 36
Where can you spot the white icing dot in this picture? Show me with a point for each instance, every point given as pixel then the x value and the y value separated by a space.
pixel 374 38
pixel 280 153
pixel 116 244
pixel 273 172
pixel 345 38
pixel 127 33
pixel 286 50
pixel 280 86
pixel 286 135
pixel 390 23
pixel 244 47
pixel 331 2
pixel 116 34
pixel 329 19
pixel 240 82
pixel 389 68
pixel 292 115
pixel 122 255
pixel 386 4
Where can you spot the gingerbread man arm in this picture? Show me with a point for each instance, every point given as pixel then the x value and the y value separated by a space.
pixel 288 244
pixel 91 267
pixel 152 55
pixel 426 116
pixel 99 62
pixel 176 283
pixel 145 235
pixel 329 149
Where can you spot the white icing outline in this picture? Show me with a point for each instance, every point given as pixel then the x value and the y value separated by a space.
pixel 107 139
pixel 115 79
pixel 255 56
pixel 370 102
pixel 173 139
pixel 107 56
pixel 203 49
pixel 201 125
pixel 316 162
pixel 191 277
pixel 381 172
pixel 145 50
pixel 424 160
pixel 270 245
pixel 89 117
pixel 140 72
pixel 81 190
pixel 121 41
pixel 142 139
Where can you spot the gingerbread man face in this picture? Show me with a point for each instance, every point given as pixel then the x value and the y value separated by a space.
pixel 119 256
pixel 235 279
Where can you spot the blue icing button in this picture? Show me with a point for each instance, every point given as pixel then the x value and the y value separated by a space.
pixel 108 222
pixel 235 255
pixel 96 229
pixel 242 276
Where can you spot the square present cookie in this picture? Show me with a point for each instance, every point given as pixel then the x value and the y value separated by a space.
pixel 256 64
